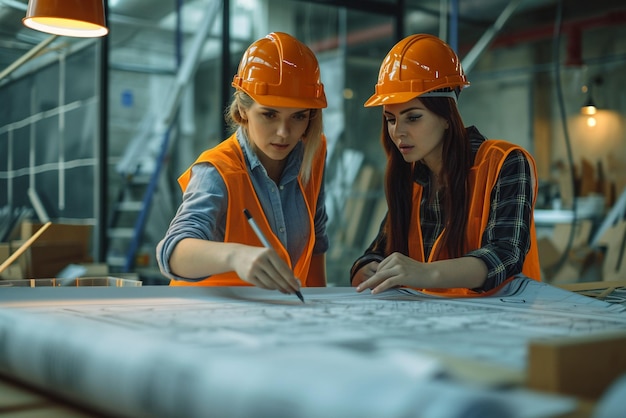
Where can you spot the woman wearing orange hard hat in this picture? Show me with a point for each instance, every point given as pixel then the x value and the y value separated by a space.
pixel 460 206
pixel 270 170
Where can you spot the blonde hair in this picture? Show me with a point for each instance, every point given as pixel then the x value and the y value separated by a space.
pixel 311 140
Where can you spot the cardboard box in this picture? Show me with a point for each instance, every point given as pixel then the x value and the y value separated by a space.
pixel 5 251
pixel 582 366
pixel 59 246
pixel 49 258
pixel 78 282
pixel 16 269
pixel 58 233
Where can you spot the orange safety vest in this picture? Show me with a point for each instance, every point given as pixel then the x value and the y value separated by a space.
pixel 482 179
pixel 228 159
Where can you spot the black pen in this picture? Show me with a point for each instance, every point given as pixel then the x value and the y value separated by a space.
pixel 264 241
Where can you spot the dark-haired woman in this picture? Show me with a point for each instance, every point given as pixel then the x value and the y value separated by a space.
pixel 460 206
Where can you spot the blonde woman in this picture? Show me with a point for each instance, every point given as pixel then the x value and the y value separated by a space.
pixel 273 166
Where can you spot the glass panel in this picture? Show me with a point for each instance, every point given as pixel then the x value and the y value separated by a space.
pixel 50 127
pixel 20 143
pixel 76 205
pixel 350 46
pixel 47 141
pixel 76 66
pixel 18 94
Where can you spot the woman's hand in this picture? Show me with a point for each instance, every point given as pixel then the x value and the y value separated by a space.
pixel 259 266
pixel 396 270
pixel 364 273
pixel 262 267
pixel 400 270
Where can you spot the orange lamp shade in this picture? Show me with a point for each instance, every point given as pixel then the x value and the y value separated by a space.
pixel 78 18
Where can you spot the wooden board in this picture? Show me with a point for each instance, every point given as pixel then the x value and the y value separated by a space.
pixel 582 367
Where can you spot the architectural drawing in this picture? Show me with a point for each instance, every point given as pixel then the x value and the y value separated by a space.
pixel 215 345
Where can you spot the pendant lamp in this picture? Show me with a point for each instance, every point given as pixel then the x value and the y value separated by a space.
pixel 589 108
pixel 77 18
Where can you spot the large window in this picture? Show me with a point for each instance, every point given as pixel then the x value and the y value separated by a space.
pixel 49 136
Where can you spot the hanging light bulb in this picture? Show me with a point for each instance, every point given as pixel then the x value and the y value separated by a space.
pixel 591 121
pixel 77 18
pixel 589 107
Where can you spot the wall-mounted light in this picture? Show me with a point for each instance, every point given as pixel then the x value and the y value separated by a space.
pixel 77 18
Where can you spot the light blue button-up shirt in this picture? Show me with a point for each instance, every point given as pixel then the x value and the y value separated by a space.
pixel 202 213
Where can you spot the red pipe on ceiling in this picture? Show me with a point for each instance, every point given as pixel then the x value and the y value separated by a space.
pixel 547 31
pixel 572 29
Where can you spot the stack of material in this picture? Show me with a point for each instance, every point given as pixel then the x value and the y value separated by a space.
pixel 58 246
pixel 584 249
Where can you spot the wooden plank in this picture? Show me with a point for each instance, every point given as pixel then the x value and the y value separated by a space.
pixel 357 205
pixel 614 266
pixel 24 247
pixel 576 287
pixel 583 367
pixel 378 213
pixel 582 233
pixel 17 400
pixel 587 178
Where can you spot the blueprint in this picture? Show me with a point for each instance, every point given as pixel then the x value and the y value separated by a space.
pixel 215 346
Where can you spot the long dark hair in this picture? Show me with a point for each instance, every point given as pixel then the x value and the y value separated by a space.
pixel 457 160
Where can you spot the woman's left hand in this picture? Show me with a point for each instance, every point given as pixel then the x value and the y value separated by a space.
pixel 398 270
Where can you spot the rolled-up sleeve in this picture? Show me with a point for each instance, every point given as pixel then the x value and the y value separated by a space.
pixel 506 239
pixel 201 215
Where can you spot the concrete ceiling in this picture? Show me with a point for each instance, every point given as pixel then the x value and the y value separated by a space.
pixel 474 19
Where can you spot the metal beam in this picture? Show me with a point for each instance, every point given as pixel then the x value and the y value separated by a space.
pixel 27 56
pixel 483 43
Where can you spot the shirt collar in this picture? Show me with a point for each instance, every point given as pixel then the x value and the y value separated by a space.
pixel 421 173
pixel 294 160
pixel 252 160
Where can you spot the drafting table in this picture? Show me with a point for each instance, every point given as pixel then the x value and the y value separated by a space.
pixel 363 354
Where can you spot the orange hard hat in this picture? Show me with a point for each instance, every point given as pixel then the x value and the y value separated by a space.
pixel 416 66
pixel 279 70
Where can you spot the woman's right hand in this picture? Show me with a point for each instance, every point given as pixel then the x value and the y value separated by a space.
pixel 364 273
pixel 263 267
pixel 259 266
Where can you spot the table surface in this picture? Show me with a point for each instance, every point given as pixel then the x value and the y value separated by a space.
pixel 20 400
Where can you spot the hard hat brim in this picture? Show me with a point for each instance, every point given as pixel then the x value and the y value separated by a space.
pixel 391 98
pixel 281 101
pixel 399 98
